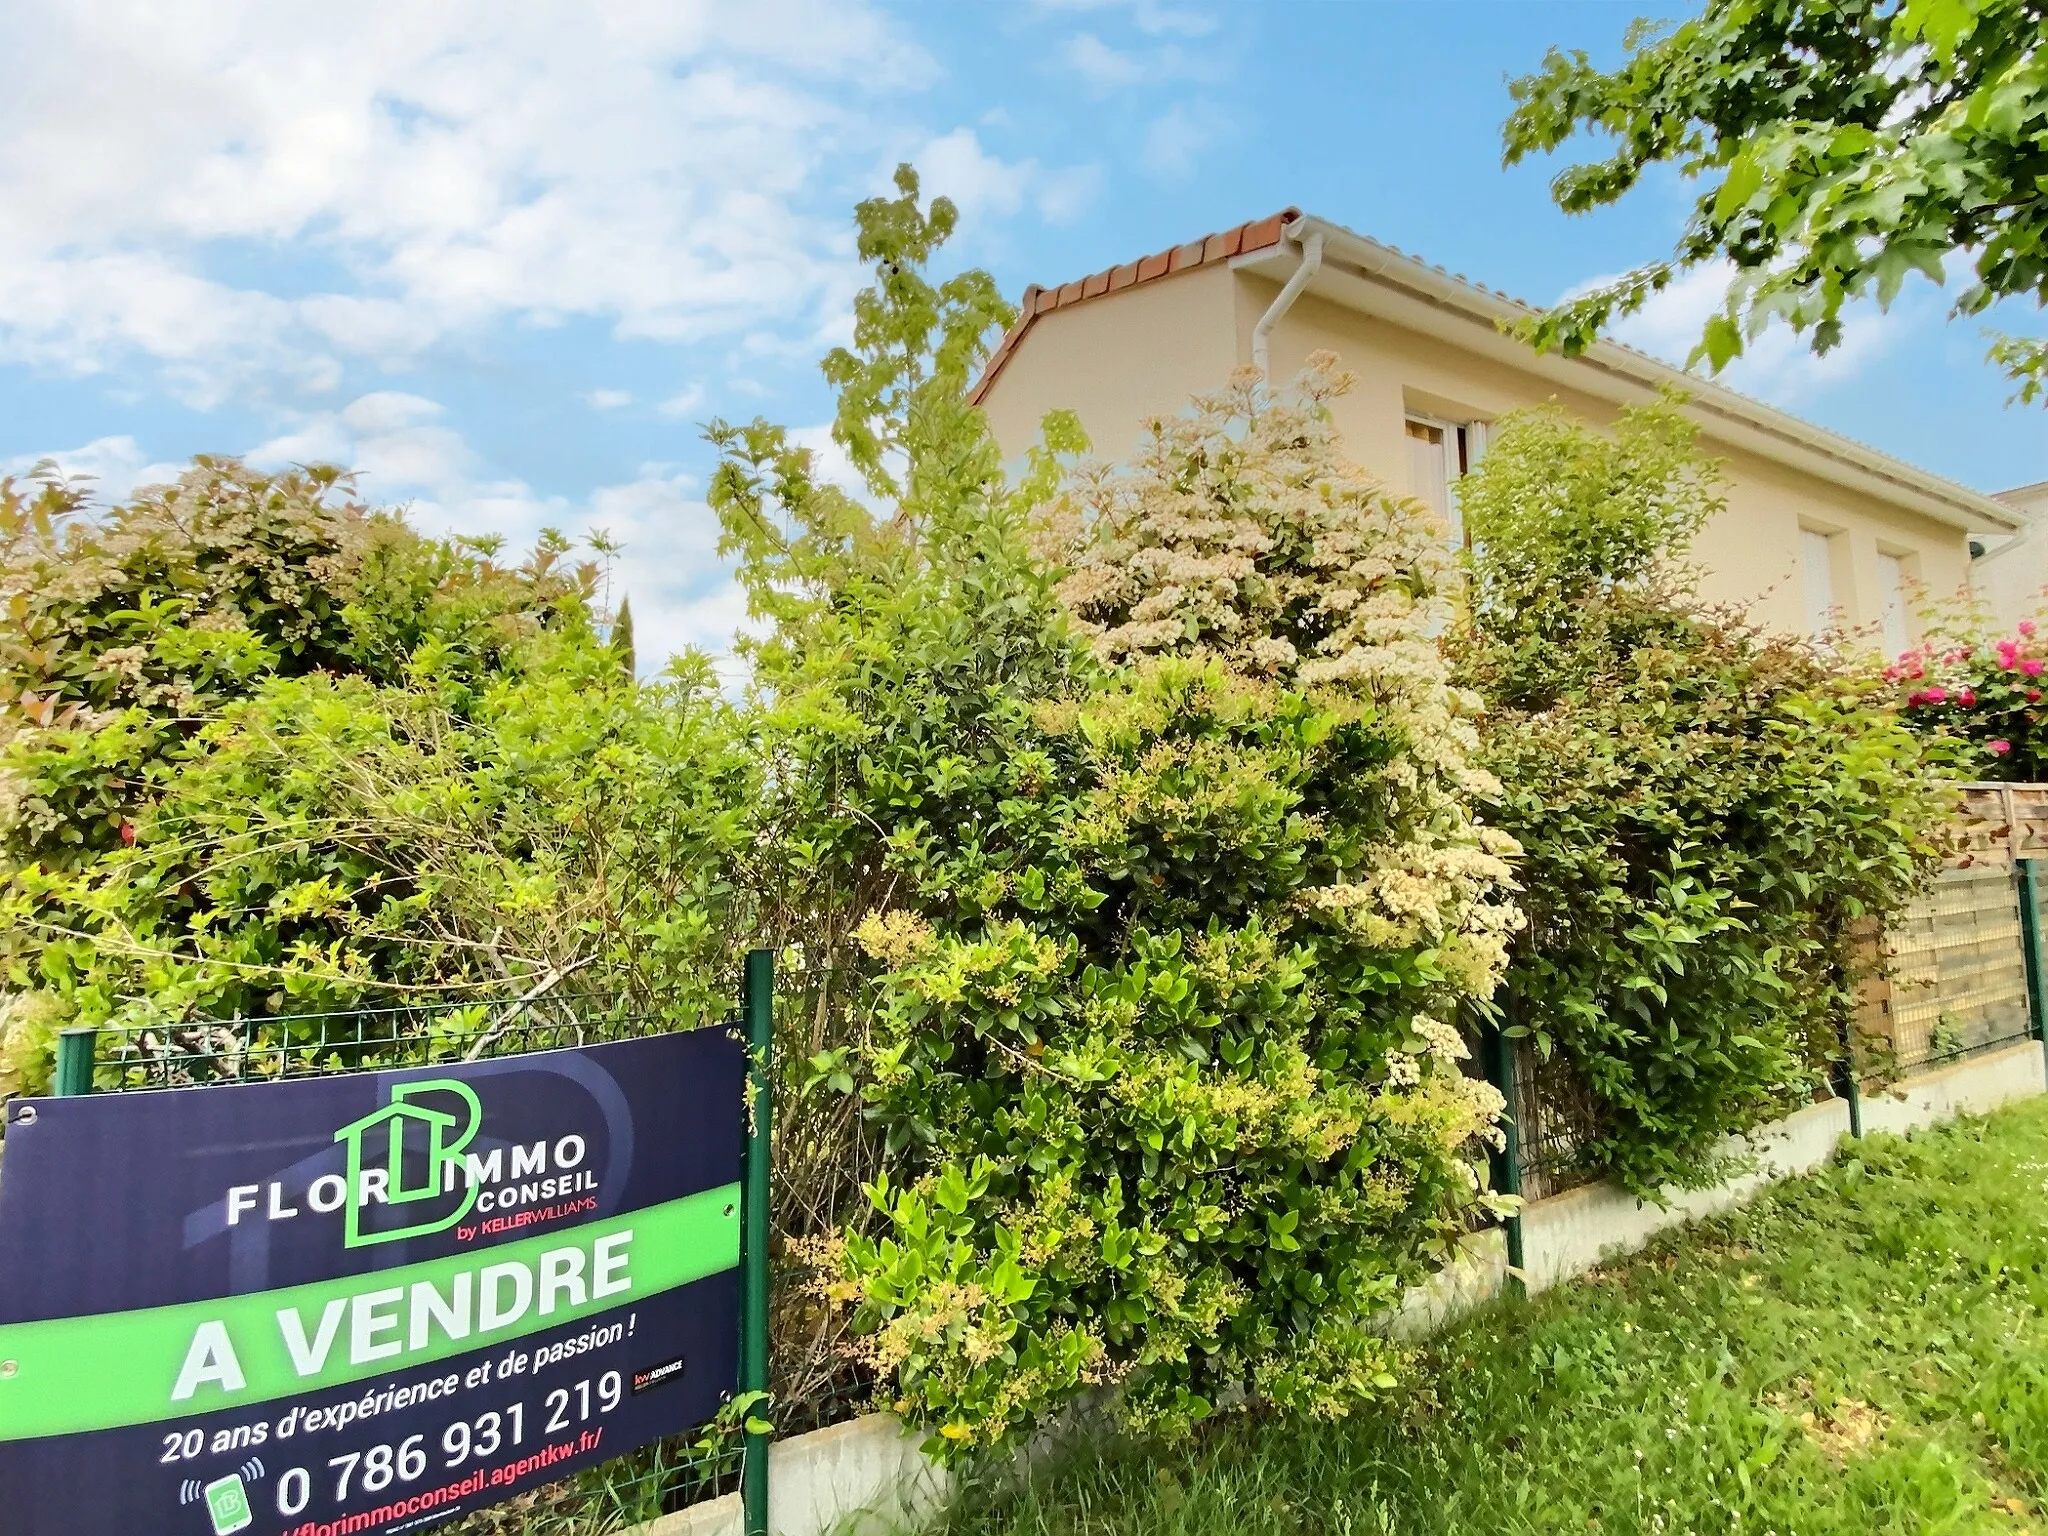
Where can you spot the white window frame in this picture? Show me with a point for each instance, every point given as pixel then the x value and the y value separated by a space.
pixel 1895 615
pixel 1464 444
pixel 1823 603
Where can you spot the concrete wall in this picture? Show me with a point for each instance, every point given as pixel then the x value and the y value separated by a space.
pixel 866 1477
pixel 1145 351
pixel 1569 1234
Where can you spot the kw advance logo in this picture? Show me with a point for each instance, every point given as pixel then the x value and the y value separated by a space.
pixel 417 1159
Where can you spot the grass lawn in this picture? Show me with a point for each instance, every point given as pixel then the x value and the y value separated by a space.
pixel 1861 1351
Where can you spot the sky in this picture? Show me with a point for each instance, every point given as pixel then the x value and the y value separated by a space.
pixel 503 258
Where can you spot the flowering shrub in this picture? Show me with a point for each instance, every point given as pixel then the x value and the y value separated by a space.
pixel 1169 927
pixel 1987 695
pixel 1708 810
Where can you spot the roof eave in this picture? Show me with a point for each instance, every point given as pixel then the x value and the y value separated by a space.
pixel 1351 258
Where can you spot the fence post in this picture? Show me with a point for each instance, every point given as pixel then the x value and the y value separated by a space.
pixel 754 1228
pixel 74 1062
pixel 2030 945
pixel 1849 1082
pixel 1507 1159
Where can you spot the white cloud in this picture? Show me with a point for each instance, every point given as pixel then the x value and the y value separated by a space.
pixel 987 186
pixel 684 402
pixel 1101 65
pixel 445 165
pixel 1106 68
pixel 1148 16
pixel 683 595
pixel 829 461
pixel 607 399
pixel 956 166
pixel 1065 195
pixel 1779 365
pixel 1174 140
pixel 388 410
pixel 114 466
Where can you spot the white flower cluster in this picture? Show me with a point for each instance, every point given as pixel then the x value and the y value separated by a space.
pixel 1241 534
pixel 1443 1041
pixel 1242 530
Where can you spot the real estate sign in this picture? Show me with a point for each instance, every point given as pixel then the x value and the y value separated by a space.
pixel 363 1303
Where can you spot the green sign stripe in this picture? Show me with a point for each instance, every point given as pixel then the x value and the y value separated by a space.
pixel 82 1373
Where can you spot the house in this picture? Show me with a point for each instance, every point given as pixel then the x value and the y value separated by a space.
pixel 2009 575
pixel 1817 525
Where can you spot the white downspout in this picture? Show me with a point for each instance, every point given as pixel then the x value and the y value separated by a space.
pixel 1262 333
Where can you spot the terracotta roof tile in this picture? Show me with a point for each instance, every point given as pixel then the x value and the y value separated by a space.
pixel 1236 241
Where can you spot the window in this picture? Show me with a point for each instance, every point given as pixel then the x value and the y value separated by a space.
pixel 1891 588
pixel 1438 453
pixel 1817 562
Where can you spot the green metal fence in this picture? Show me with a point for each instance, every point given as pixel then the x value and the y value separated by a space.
pixel 1964 974
pixel 1960 973
pixel 643 1484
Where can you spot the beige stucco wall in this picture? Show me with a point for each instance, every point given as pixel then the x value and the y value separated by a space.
pixel 1116 361
pixel 2011 581
pixel 1121 358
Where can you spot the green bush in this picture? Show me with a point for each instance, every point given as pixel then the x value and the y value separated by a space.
pixel 1709 813
pixel 129 627
pixel 269 753
pixel 1166 943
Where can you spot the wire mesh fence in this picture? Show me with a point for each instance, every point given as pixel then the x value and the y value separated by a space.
pixel 1948 982
pixel 1956 972
pixel 131 1057
pixel 1558 1118
pixel 1953 983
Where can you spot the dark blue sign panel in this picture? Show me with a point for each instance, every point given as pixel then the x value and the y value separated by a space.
pixel 368 1303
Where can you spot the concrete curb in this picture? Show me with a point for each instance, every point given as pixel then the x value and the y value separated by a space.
pixel 865 1475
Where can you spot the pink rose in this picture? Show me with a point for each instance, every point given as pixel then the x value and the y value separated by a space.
pixel 1935 696
pixel 2027 628
pixel 2033 666
pixel 2000 747
pixel 1967 697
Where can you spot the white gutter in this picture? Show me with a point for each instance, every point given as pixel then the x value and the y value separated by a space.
pixel 1777 434
pixel 1262 334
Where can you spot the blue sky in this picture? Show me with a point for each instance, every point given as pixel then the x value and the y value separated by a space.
pixel 504 257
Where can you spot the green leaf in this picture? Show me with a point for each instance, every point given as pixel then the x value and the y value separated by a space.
pixel 1721 342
